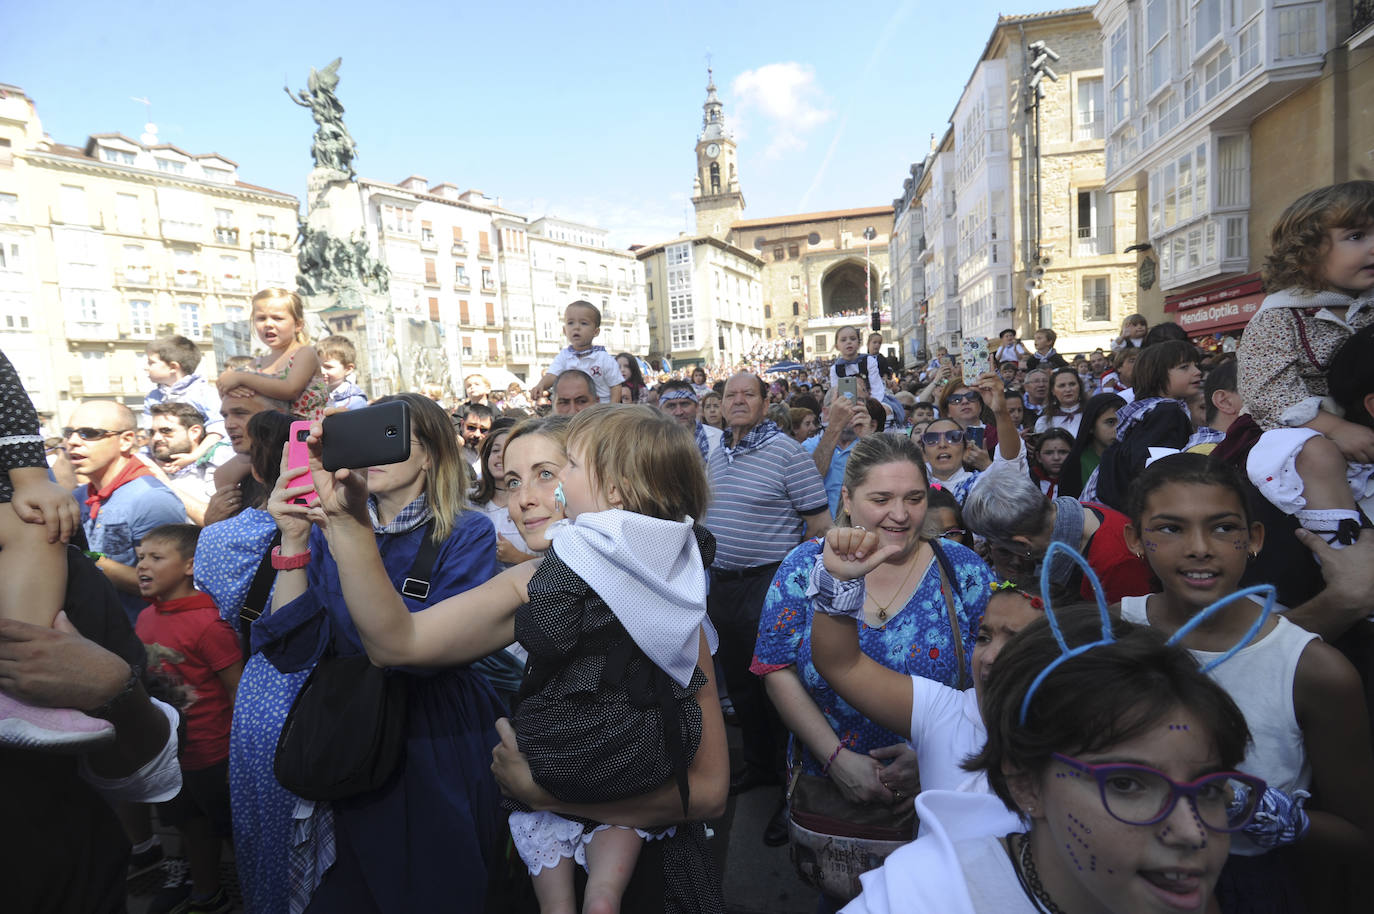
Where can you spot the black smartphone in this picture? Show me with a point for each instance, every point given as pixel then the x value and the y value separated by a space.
pixel 369 437
pixel 975 436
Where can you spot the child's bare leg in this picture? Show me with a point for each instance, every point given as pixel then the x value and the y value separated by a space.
pixel 1330 510
pixel 611 856
pixel 553 886
pixel 33 569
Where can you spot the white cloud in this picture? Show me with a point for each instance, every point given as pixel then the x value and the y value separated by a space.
pixel 785 96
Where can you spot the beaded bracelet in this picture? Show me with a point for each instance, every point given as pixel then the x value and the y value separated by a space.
pixel 830 761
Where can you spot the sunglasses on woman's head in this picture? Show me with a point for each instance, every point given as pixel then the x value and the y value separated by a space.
pixel 953 436
pixel 969 397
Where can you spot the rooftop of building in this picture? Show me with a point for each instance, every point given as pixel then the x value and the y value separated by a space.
pixel 824 216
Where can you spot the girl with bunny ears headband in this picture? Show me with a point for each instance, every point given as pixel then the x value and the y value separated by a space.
pixel 1190 521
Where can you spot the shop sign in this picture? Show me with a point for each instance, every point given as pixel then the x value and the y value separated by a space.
pixel 1224 315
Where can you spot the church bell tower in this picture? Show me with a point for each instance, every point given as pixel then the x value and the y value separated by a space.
pixel 715 189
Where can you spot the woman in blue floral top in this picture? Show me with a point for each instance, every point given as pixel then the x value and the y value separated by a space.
pixel 906 627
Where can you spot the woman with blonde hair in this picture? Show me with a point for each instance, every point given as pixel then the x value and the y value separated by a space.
pixel 435 823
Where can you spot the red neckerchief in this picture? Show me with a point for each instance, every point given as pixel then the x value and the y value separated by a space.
pixel 132 470
pixel 1039 474
pixel 197 600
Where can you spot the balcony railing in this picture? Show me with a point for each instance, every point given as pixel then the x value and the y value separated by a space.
pixel 224 235
pixel 1088 126
pixel 188 279
pixel 562 277
pixel 271 241
pixel 459 248
pixel 484 253
pixel 427 242
pixel 134 276
pixel 177 230
pixel 462 285
pixel 1093 240
pixel 230 283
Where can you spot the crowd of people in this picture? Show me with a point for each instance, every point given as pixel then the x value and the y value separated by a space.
pixel 1050 633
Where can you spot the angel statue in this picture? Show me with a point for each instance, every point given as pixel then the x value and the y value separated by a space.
pixel 333 147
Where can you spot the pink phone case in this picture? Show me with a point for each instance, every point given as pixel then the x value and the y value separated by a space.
pixel 298 455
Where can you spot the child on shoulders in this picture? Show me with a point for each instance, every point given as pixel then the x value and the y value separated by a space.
pixel 172 363
pixel 1309 461
pixel 581 324
pixel 290 371
pixel 338 361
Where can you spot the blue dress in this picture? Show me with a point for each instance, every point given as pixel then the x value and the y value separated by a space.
pixel 426 840
pixel 227 557
pixel 916 640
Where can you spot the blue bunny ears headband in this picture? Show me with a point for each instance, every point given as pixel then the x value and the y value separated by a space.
pixel 1067 653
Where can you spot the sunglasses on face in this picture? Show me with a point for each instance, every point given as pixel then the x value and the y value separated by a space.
pixel 969 397
pixel 93 434
pixel 953 436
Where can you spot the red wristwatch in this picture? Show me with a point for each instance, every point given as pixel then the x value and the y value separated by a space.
pixel 289 562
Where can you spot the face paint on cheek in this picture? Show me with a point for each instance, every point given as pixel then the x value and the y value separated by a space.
pixel 1074 827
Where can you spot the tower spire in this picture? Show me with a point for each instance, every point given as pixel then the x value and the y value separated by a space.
pixel 712 111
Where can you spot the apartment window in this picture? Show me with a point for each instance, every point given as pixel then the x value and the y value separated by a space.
pixel 434 309
pixel 463 311
pixel 487 282
pixel 1093 228
pixel 649 290
pixel 1235 237
pixel 778 253
pixel 128 214
pixel 73 203
pixel 678 254
pixel 582 271
pixel 17 322
pixel 1249 54
pixel 426 232
pixel 1157 45
pixel 1119 60
pixel 491 350
pixel 483 243
pixel 460 275
pixel 603 275
pixel 457 234
pixel 767 311
pixel 794 283
pixel 1097 302
pixel 117 156
pixel 1089 121
pixel 1233 171
pixel 171 166
pixel 793 252
pixel 1206 23
pixel 11 256
pixel 467 347
pixel 820 344
pixel 1216 74
pixel 190 319
pixel 491 313
pixel 219 175
pixel 95 374
pixel 9 207
pixel 141 318
pixel 431 275
pixel 1298 31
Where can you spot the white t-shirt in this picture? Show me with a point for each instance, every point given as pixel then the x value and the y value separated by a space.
pixel 597 362
pixel 1069 423
pixel 957 867
pixel 946 728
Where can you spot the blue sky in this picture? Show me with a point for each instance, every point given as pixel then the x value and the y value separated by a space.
pixel 585 111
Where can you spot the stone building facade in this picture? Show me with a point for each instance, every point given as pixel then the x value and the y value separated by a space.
pixel 704 299
pixel 110 245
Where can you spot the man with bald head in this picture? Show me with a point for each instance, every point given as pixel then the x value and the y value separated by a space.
pixel 573 392
pixel 121 499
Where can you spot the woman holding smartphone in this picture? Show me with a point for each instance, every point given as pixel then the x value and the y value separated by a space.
pixel 948 444
pixel 436 822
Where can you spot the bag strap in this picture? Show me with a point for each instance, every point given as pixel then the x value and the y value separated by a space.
pixel 947 579
pixel 416 585
pixel 256 599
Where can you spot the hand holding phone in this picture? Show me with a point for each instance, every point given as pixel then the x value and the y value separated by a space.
pixel 974 357
pixel 847 387
pixel 298 457
pixel 373 436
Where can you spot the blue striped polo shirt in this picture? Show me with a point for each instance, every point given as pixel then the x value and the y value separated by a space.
pixel 758 501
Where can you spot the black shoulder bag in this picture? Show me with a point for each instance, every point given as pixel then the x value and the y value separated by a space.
pixel 256 600
pixel 345 732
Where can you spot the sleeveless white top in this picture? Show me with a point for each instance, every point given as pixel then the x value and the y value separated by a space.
pixel 1259 679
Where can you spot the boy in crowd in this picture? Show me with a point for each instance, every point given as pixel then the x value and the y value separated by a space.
pixel 1044 355
pixel 581 324
pixel 172 363
pixel 338 360
pixel 197 655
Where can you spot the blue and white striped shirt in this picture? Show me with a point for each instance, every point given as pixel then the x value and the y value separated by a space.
pixel 759 496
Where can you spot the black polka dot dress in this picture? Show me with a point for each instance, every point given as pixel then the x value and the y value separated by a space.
pixel 21 445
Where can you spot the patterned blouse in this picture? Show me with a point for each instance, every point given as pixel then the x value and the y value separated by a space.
pixel 1285 349
pixel 312 401
pixel 916 640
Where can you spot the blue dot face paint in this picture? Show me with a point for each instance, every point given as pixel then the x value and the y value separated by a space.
pixel 559 498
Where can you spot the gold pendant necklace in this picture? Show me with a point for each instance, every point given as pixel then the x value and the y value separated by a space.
pixel 901 588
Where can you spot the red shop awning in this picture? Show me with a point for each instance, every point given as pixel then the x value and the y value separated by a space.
pixel 1223 306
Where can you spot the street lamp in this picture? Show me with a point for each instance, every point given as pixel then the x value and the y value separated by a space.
pixel 875 321
pixel 1038 64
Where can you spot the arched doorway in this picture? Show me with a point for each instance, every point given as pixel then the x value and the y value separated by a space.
pixel 843 290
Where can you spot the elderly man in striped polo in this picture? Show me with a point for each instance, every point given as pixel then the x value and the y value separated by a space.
pixel 766 497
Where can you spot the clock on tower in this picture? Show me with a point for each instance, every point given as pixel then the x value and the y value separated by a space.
pixel 715 190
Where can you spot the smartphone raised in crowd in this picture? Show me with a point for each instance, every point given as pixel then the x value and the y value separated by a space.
pixel 974 358
pixel 298 456
pixel 373 436
pixel 847 387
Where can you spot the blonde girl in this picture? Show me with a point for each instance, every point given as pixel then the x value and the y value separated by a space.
pixel 290 370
